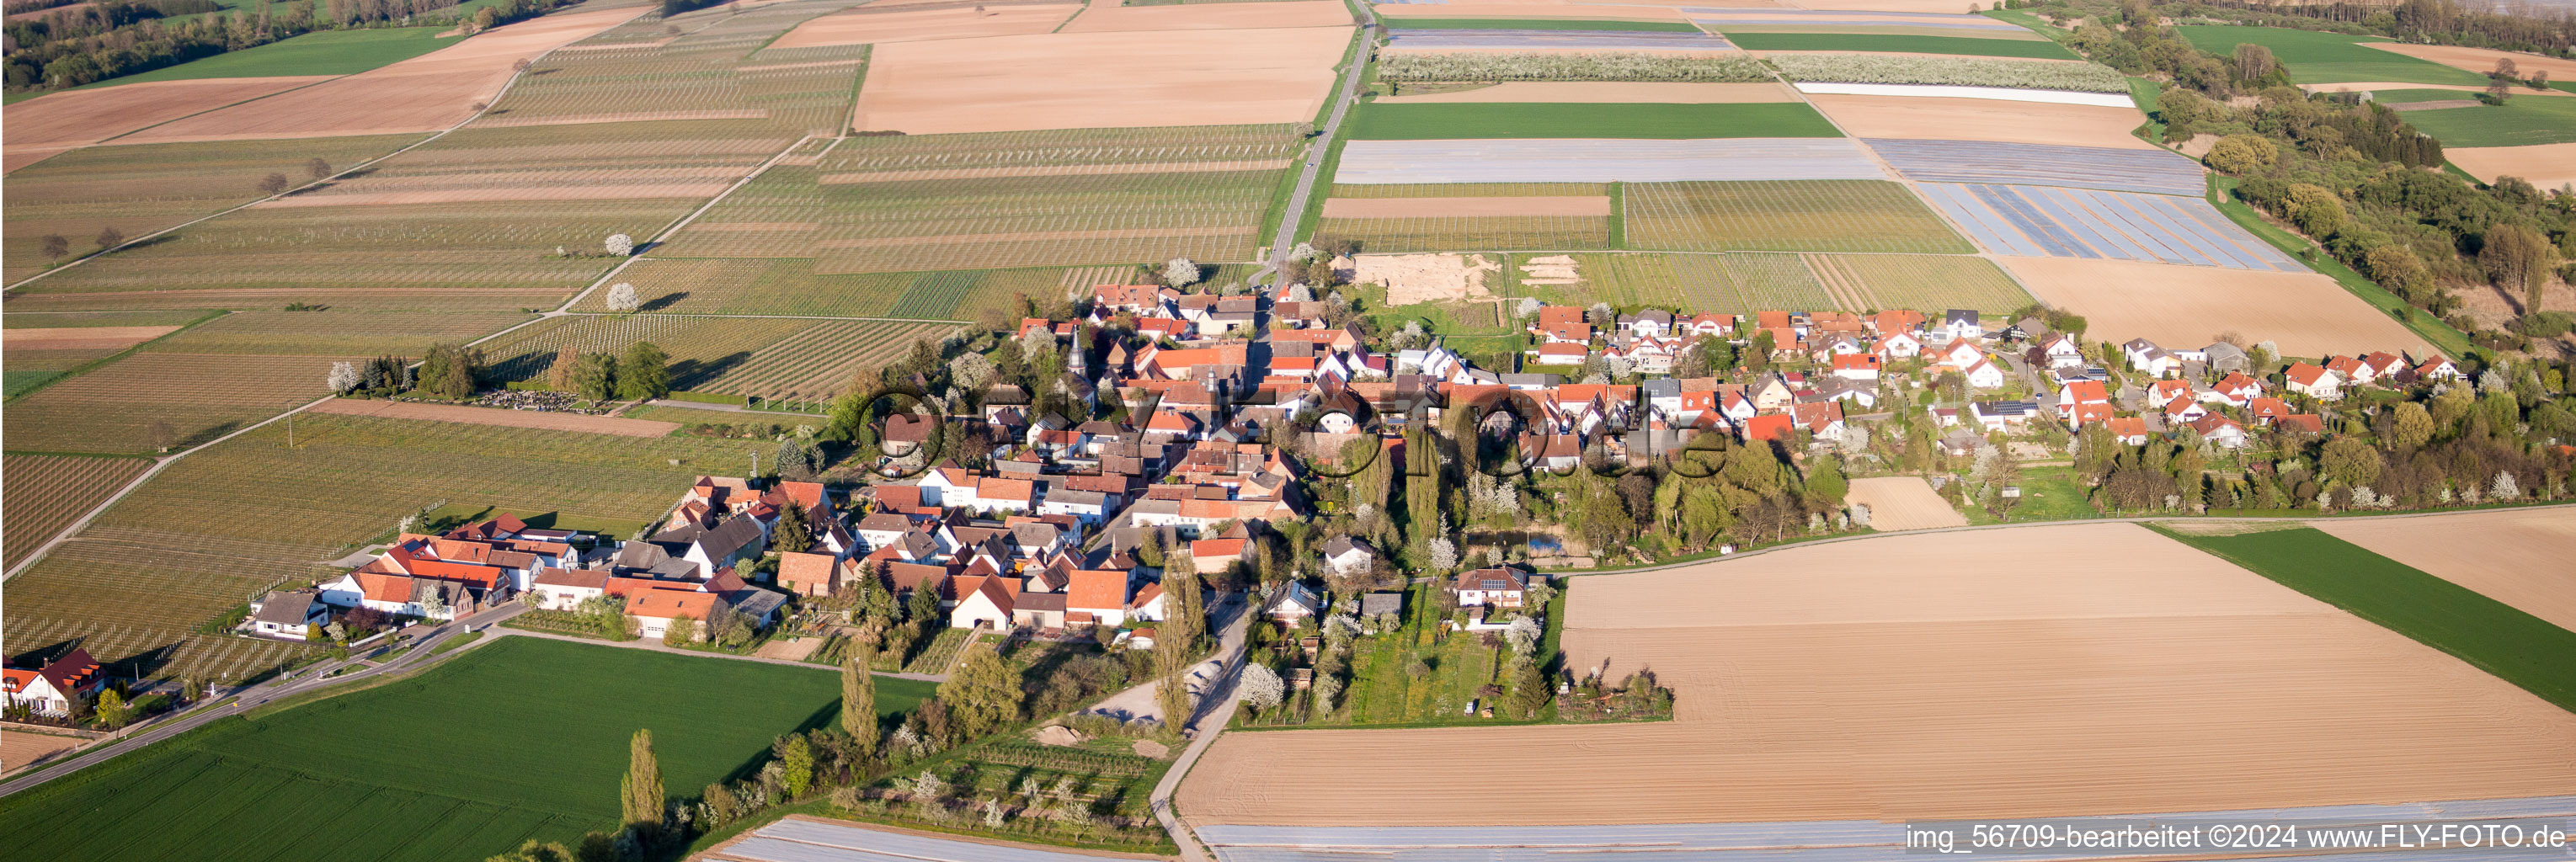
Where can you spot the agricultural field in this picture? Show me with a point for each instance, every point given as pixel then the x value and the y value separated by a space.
pixel 2514 556
pixel 326 52
pixel 1843 21
pixel 2524 120
pixel 2305 313
pixel 1689 41
pixel 71 485
pixel 670 159
pixel 229 791
pixel 551 420
pixel 69 348
pixel 1407 122
pixel 1499 67
pixel 50 124
pixel 1444 217
pixel 819 363
pixel 2498 638
pixel 140 189
pixel 1925 282
pixel 150 399
pixel 1951 71
pixel 790 286
pixel 1827 215
pixel 701 348
pixel 2480 61
pixel 1903 503
pixel 2548 166
pixel 1074 80
pixel 1602 160
pixel 1596 92
pixel 173 555
pixel 1902 692
pixel 717 70
pixel 332 332
pixel 2105 168
pixel 2034 49
pixel 1964 119
pixel 1539 24
pixel 2323 58
pixel 870 25
pixel 2060 222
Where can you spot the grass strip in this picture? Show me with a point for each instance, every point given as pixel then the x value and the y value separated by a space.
pixel 2496 637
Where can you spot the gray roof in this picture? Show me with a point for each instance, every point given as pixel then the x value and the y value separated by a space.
pixel 1035 534
pixel 1070 497
pixel 1959 315
pixel 285 608
pixel 1344 544
pixel 728 537
pixel 1662 388
pixel 757 602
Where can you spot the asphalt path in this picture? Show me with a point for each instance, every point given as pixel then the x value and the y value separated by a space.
pixel 1286 239
pixel 1217 703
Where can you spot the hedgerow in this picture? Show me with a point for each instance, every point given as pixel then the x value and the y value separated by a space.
pixel 1964 71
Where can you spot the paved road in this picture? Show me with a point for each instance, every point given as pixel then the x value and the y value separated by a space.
pixel 303 680
pixel 1286 240
pixel 1140 701
pixel 1215 711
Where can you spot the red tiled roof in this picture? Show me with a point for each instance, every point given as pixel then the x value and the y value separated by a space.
pixel 1096 588
pixel 800 568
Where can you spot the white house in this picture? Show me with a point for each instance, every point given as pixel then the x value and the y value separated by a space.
pixel 1902 345
pixel 48 690
pixel 1500 587
pixel 1960 354
pixel 1344 555
pixel 564 589
pixel 982 602
pixel 2313 381
pixel 2144 355
pixel 286 614
pixel 1984 375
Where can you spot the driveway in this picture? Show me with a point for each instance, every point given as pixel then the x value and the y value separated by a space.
pixel 1140 701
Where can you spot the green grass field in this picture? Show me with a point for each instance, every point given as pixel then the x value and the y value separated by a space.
pixel 328 52
pixel 424 768
pixel 2522 120
pixel 2325 58
pixel 2029 48
pixel 2515 646
pixel 1804 215
pixel 1445 120
pixel 1537 24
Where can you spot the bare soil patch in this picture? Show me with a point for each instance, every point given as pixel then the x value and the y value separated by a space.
pixel 1915 676
pixel 1412 278
pixel 426 93
pixel 493 416
pixel 2481 60
pixel 1105 18
pixel 20 748
pixel 72 118
pixel 2199 145
pixel 1100 80
pixel 858 26
pixel 1520 11
pixel 2306 313
pixel 82 337
pixel 1948 119
pixel 1903 503
pixel 2548 166
pixel 1597 205
pixel 1056 171
pixel 790 649
pixel 1609 92
pixel 2516 556
pixel 1150 748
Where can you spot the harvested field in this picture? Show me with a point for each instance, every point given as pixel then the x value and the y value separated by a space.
pixel 1606 93
pixel 1825 215
pixel 1682 44
pixel 2548 166
pixel 2482 60
pixel 59 121
pixel 1477 206
pixel 1983 120
pixel 422 94
pixel 1220 16
pixel 861 26
pixel 182 398
pixel 2515 556
pixel 1588 160
pixel 2106 168
pixel 492 416
pixel 1903 503
pixel 54 491
pixel 1412 278
pixel 107 338
pixel 1815 687
pixel 2060 222
pixel 1082 80
pixel 2307 314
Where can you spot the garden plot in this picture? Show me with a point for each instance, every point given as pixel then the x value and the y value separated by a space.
pixel 65 488
pixel 1603 160
pixel 1555 40
pixel 149 399
pixel 1605 93
pixel 2122 170
pixel 49 124
pixel 1100 18
pixel 426 93
pixel 2515 556
pixel 1903 503
pixel 2057 222
pixel 1964 119
pixel 2548 166
pixel 1823 215
pixel 1087 80
pixel 866 25
pixel 1906 677
pixel 2305 313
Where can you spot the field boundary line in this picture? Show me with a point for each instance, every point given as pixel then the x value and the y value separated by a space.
pixel 504 92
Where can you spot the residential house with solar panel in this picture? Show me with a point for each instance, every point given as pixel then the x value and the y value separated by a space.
pixel 1496 587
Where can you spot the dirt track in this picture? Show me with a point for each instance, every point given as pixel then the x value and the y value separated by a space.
pixel 493 416
pixel 859 26
pixel 426 93
pixel 2516 556
pixel 1100 80
pixel 1941 118
pixel 2306 313
pixel 2089 668
pixel 1903 503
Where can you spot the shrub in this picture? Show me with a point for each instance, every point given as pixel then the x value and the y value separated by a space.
pixel 1964 71
pixel 1600 66
pixel 2243 154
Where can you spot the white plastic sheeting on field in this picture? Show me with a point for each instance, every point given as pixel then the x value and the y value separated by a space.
pixel 1587 160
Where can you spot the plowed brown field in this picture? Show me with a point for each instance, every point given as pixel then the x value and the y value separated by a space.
pixel 2481 60
pixel 2057 670
pixel 493 416
pixel 2548 166
pixel 2521 557
pixel 1104 18
pixel 1941 118
pixel 50 124
pixel 83 337
pixel 2306 313
pixel 859 26
pixel 426 93
pixel 1100 80
pixel 1903 503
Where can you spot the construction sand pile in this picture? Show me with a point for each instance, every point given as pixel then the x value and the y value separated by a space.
pixel 1412 278
pixel 1551 269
